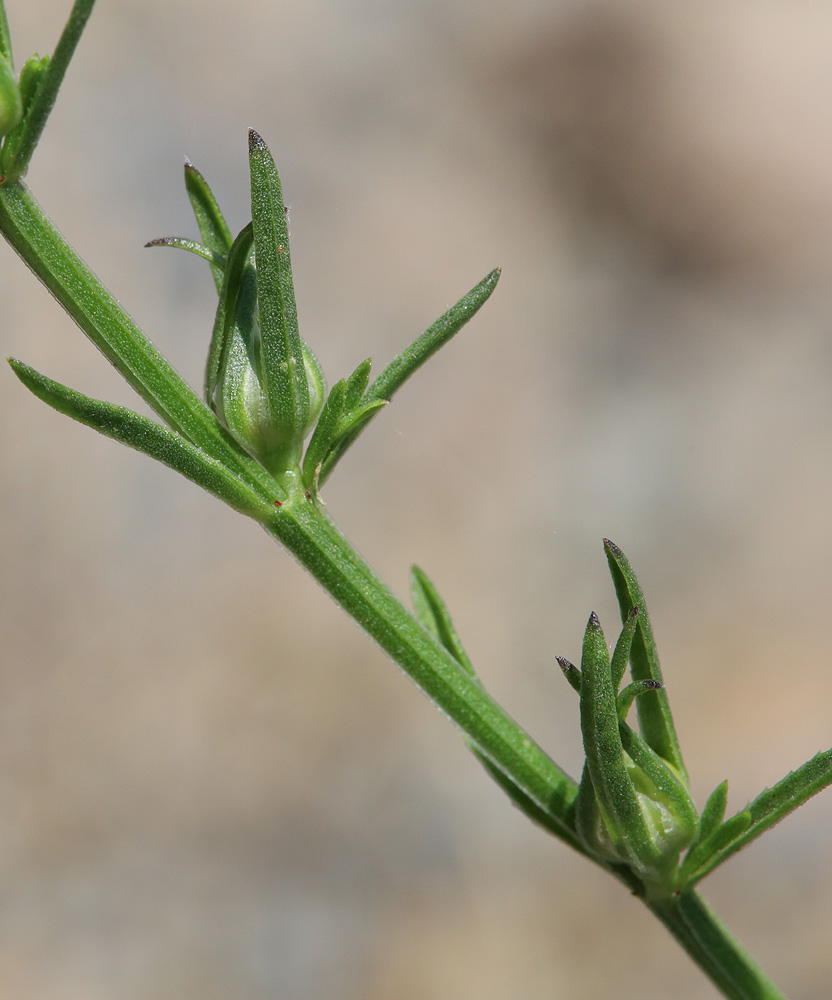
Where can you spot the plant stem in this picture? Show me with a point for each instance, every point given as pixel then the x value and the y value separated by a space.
pixel 307 531
pixel 102 318
pixel 714 949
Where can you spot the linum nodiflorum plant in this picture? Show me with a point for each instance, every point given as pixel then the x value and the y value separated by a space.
pixel 632 812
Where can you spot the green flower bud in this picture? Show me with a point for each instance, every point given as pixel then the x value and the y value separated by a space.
pixel 633 806
pixel 252 410
pixel 11 104
pixel 243 407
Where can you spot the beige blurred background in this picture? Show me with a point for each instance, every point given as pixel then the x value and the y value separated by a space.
pixel 212 785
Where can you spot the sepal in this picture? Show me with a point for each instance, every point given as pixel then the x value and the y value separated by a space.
pixel 11 103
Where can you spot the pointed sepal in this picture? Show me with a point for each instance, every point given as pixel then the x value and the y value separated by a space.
pixel 655 718
pixel 11 103
pixel 212 225
pixel 282 371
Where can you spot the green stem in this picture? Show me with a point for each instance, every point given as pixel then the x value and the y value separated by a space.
pixel 714 949
pixel 102 318
pixel 306 530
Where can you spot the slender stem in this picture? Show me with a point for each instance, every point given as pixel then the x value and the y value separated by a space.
pixel 714 949
pixel 102 318
pixel 306 530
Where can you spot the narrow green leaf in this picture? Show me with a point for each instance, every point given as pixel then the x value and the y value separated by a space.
pixel 570 672
pixel 431 612
pixel 771 806
pixel 349 430
pixel 148 437
pixel 283 374
pixel 450 323
pixel 621 653
pixel 655 719
pixel 357 385
pixel 611 781
pixel 5 38
pixel 326 430
pixel 701 859
pixel 632 691
pixel 236 265
pixel 216 260
pixel 212 225
pixel 115 334
pixel 402 367
pixel 588 818
pixel 38 113
pixel 714 811
pixel 31 77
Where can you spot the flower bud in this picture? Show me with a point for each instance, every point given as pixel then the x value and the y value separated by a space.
pixel 243 407
pixel 11 105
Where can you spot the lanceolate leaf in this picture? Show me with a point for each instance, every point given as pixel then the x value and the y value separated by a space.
pixel 713 813
pixel 38 112
pixel 232 284
pixel 5 40
pixel 217 261
pixel 697 863
pixel 628 695
pixel 570 672
pixel 771 806
pixel 400 369
pixel 655 719
pixel 146 436
pixel 31 77
pixel 356 385
pixel 113 332
pixel 283 376
pixel 450 323
pixel 349 429
pixel 326 430
pixel 431 612
pixel 611 782
pixel 212 226
pixel 621 654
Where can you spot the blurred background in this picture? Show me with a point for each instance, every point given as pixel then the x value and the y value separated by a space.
pixel 212 784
